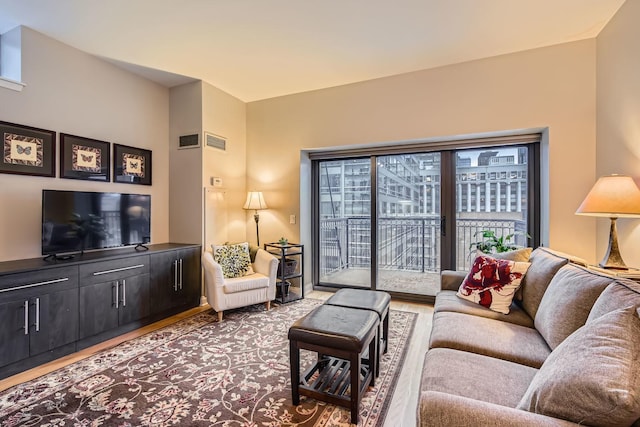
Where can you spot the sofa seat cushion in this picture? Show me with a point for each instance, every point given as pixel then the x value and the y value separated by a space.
pixel 567 302
pixel 245 283
pixel 621 293
pixel 593 377
pixel 494 338
pixel 449 301
pixel 441 409
pixel 475 376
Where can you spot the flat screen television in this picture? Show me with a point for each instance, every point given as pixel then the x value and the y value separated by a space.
pixel 76 221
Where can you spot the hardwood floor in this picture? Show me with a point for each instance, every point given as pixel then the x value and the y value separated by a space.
pixel 402 410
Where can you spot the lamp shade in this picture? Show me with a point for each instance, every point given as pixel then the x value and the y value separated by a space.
pixel 255 201
pixel 612 196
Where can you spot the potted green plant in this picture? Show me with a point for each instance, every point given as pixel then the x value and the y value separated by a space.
pixel 491 243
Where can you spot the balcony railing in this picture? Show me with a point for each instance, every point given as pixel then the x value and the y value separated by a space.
pixel 406 244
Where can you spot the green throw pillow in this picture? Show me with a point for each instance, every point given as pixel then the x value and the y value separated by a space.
pixel 253 250
pixel 234 259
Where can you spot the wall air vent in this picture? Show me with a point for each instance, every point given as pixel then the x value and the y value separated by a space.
pixel 189 141
pixel 215 141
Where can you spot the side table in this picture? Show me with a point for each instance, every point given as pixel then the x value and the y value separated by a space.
pixel 631 273
pixel 290 277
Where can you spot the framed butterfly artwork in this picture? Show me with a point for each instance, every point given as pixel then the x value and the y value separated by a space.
pixel 27 150
pixel 131 165
pixel 84 158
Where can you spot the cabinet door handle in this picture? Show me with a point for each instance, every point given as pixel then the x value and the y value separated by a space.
pixel 124 293
pixel 26 317
pixel 117 286
pixel 181 278
pixel 37 314
pixel 175 275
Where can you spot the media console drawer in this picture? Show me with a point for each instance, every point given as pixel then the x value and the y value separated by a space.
pixel 105 271
pixel 36 281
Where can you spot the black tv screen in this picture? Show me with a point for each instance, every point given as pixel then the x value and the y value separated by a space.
pixel 76 221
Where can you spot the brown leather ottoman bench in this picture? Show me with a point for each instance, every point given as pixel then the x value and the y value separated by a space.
pixel 364 299
pixel 340 336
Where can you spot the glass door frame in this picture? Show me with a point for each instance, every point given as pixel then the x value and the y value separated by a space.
pixel 447 210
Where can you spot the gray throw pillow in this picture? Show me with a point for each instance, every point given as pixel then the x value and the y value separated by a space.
pixel 620 293
pixel 593 377
pixel 567 302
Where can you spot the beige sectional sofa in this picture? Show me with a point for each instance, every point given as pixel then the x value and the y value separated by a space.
pixel 568 353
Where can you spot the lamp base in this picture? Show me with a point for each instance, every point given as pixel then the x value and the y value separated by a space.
pixel 612 259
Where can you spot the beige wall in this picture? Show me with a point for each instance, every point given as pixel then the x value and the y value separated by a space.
pixel 551 87
pixel 197 108
pixel 225 116
pixel 72 92
pixel 618 117
pixel 185 165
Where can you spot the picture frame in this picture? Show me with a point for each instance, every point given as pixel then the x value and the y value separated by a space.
pixel 84 158
pixel 131 165
pixel 27 150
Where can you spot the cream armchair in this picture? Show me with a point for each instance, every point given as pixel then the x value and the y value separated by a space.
pixel 224 293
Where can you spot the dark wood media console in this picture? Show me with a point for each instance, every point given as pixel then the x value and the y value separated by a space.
pixel 49 309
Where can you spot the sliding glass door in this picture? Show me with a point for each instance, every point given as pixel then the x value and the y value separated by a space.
pixel 345 222
pixel 408 223
pixel 393 221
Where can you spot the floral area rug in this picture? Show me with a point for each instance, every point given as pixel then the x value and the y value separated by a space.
pixel 199 372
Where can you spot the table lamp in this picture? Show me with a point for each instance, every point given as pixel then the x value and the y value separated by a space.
pixel 612 196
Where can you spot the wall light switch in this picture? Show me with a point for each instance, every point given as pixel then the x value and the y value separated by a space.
pixel 216 181
pixel 292 219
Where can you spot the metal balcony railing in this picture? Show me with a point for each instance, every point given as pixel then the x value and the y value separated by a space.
pixel 405 244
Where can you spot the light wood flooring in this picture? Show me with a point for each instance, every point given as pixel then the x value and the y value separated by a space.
pixel 401 413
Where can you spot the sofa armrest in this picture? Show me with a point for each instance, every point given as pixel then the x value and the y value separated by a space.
pixel 451 280
pixel 442 409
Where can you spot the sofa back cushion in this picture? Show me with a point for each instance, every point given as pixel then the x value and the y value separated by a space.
pixel 567 302
pixel 620 293
pixel 545 263
pixel 593 377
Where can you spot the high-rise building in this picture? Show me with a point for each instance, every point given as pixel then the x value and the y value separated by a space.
pixel 409 185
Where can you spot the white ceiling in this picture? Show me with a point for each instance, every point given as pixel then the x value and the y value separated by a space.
pixel 257 49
